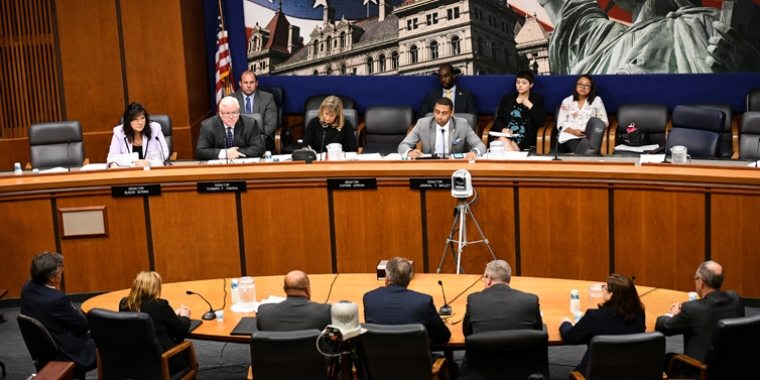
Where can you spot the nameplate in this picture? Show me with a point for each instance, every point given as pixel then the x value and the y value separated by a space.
pixel 135 191
pixel 430 183
pixel 222 187
pixel 352 184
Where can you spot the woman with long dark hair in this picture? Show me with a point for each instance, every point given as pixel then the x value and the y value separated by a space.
pixel 575 112
pixel 134 137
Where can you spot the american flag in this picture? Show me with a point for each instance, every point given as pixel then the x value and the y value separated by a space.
pixel 224 83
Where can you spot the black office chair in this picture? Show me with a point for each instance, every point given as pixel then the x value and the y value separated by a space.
pixel 625 357
pixel 289 135
pixel 128 348
pixel 384 128
pixel 652 116
pixel 698 129
pixel 730 355
pixel 753 99
pixel 56 144
pixel 166 129
pixel 591 145
pixel 406 347
pixel 279 101
pixel 730 128
pixel 287 355
pixel 260 123
pixel 512 354
pixel 749 141
pixel 40 344
pixel 349 115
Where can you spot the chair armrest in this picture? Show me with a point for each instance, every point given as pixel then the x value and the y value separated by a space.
pixel 612 137
pixel 359 151
pixel 575 375
pixel 544 138
pixel 438 365
pixel 484 136
pixel 735 138
pixel 735 155
pixel 250 373
pixel 186 345
pixel 86 161
pixel 690 361
pixel 173 156
pixel 56 371
pixel 28 166
pixel 360 132
pixel 288 134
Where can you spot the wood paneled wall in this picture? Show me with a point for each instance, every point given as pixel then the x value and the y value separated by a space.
pixel 108 54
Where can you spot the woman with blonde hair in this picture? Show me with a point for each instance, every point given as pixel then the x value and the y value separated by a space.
pixel 171 325
pixel 330 127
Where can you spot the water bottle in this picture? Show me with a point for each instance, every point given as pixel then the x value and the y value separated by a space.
pixel 575 302
pixel 267 156
pixel 235 292
pixel 17 168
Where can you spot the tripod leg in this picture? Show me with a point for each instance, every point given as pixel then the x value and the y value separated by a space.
pixel 448 242
pixel 482 236
pixel 462 207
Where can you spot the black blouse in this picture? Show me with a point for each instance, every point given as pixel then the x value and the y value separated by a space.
pixel 346 137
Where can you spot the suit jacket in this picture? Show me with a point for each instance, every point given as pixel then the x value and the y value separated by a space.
pixel 501 308
pixel 65 322
pixel 462 138
pixel 213 138
pixel 263 103
pixel 397 305
pixel 120 144
pixel 536 117
pixel 170 329
pixel 295 313
pixel 464 102
pixel 601 321
pixel 699 318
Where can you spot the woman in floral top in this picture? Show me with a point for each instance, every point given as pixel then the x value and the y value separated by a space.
pixel 575 112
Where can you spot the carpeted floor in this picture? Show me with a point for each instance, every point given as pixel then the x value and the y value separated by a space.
pixel 231 361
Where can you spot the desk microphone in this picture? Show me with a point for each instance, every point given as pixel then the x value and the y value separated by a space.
pixel 445 309
pixel 321 147
pixel 209 315
pixel 161 149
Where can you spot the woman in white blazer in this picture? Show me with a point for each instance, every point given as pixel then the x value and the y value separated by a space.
pixel 132 136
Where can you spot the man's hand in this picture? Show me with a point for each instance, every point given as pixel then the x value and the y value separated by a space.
pixel 730 52
pixel 470 155
pixel 565 319
pixel 414 153
pixel 675 308
pixel 232 153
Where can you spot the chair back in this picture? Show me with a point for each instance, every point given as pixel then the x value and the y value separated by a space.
pixel 471 118
pixel 730 356
pixel 38 341
pixel 405 346
pixel 726 146
pixel 56 144
pixel 349 115
pixel 591 145
pixel 279 100
pixel 626 357
pixel 511 354
pixel 753 99
pixel 749 139
pixel 653 116
pixel 127 344
pixel 259 122
pixel 385 127
pixel 699 129
pixel 287 355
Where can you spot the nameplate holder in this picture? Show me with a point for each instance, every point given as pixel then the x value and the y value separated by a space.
pixel 135 191
pixel 352 184
pixel 222 187
pixel 430 183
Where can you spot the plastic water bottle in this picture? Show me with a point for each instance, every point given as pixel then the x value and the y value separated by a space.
pixel 575 302
pixel 235 292
pixel 267 156
pixel 17 168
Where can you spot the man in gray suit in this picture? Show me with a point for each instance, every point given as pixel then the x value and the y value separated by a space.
pixel 499 307
pixel 297 312
pixel 252 100
pixel 442 134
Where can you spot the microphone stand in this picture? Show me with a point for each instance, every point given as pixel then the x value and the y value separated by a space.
pixel 209 315
pixel 556 147
pixel 161 150
pixel 445 309
pixel 322 147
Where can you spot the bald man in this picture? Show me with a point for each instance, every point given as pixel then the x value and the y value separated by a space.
pixel 297 312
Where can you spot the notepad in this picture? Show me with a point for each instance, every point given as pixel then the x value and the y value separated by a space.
pixel 194 323
pixel 246 326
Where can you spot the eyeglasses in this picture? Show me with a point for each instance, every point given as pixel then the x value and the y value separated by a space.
pixel 230 114
pixel 583 85
pixel 605 288
pixel 697 278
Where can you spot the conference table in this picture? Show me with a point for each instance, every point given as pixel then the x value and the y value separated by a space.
pixel 554 299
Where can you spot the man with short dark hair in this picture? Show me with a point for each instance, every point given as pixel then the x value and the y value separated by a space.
pixel 252 100
pixel 394 304
pixel 697 319
pixel 297 312
pixel 463 100
pixel 66 324
pixel 499 307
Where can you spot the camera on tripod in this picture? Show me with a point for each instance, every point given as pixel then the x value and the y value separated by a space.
pixel 461 184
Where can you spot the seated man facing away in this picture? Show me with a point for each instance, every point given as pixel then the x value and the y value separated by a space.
pixel 697 319
pixel 297 312
pixel 394 304
pixel 442 134
pixel 52 308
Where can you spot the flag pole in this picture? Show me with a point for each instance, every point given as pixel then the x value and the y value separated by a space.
pixel 228 78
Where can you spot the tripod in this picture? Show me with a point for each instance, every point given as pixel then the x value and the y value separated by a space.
pixel 460 215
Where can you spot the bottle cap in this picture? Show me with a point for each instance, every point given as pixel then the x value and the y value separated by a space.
pixel 234 280
pixel 574 292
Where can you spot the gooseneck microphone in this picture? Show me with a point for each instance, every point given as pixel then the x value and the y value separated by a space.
pixel 322 147
pixel 161 149
pixel 556 147
pixel 209 315
pixel 445 309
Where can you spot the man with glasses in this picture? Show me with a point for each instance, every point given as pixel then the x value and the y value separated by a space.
pixel 229 136
pixel 697 319
pixel 66 324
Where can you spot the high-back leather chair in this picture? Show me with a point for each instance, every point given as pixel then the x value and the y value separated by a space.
pixel 591 145
pixel 56 144
pixel 287 355
pixel 399 352
pixel 38 341
pixel 625 357
pixel 288 135
pixel 749 141
pixel 698 129
pixel 753 99
pixel 384 128
pixel 259 122
pixel 279 101
pixel 727 140
pixel 511 354
pixel 652 116
pixel 128 348
pixel 349 115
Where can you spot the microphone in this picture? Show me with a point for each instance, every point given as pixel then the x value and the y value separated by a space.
pixel 209 315
pixel 445 309
pixel 68 157
pixel 322 147
pixel 633 278
pixel 161 149
pixel 556 147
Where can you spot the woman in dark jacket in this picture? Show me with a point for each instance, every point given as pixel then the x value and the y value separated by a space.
pixel 520 114
pixel 330 127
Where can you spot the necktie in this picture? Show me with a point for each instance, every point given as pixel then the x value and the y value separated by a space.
pixel 229 137
pixel 441 148
pixel 448 94
pixel 248 108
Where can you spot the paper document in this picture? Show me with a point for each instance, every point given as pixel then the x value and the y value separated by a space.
pixel 755 164
pixel 57 169
pixel 502 134
pixel 282 157
pixel 654 158
pixel 126 159
pixel 94 167
pixel 507 156
pixel 370 157
pixel 231 161
pixel 393 156
pixel 639 149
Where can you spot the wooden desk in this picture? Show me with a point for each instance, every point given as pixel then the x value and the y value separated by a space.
pixel 554 297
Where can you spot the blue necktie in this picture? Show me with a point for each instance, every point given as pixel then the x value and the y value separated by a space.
pixel 229 137
pixel 248 105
